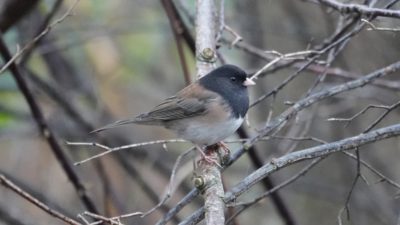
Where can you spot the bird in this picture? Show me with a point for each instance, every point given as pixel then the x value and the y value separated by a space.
pixel 204 112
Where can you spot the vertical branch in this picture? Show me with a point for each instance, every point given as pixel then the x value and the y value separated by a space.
pixel 210 174
pixel 205 36
pixel 213 192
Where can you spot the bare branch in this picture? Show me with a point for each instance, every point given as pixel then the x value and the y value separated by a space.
pixel 373 27
pixel 346 207
pixel 288 56
pixel 237 37
pixel 362 9
pixel 10 185
pixel 210 174
pixel 110 150
pixel 379 119
pixel 364 110
pixel 205 36
pixel 113 220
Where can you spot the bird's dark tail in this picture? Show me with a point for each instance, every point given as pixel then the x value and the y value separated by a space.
pixel 113 125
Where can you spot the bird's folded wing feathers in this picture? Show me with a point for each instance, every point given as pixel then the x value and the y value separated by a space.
pixel 172 109
pixel 190 101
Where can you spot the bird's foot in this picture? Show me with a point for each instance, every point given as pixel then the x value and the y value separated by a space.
pixel 225 147
pixel 206 157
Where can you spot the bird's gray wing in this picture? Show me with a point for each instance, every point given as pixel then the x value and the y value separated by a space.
pixel 190 101
pixel 172 109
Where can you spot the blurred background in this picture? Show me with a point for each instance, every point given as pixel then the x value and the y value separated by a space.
pixel 111 60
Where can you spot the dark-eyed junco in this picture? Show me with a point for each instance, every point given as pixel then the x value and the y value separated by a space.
pixel 205 112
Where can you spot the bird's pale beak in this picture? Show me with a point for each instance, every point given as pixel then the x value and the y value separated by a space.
pixel 248 82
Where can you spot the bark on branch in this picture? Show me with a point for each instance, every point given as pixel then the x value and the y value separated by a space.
pixel 210 173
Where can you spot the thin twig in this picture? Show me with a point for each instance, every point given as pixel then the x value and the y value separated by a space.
pixel 373 27
pixel 382 116
pixel 362 9
pixel 364 110
pixel 280 56
pixel 81 217
pixel 221 21
pixel 112 220
pixel 283 84
pixel 110 150
pixel 375 171
pixel 237 39
pixel 346 207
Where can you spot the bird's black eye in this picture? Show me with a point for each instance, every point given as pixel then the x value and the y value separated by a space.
pixel 233 78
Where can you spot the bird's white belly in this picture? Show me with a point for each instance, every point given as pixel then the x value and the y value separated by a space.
pixel 210 133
